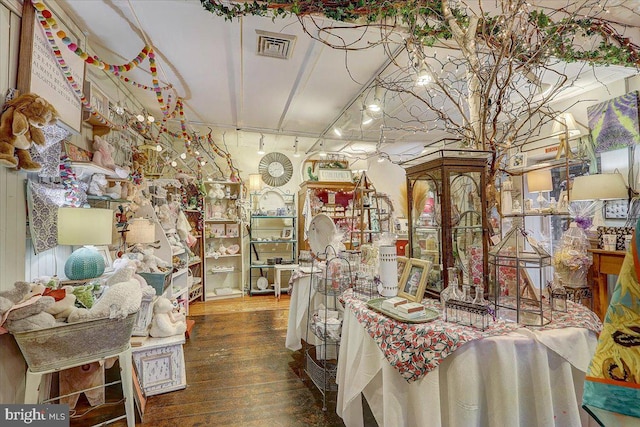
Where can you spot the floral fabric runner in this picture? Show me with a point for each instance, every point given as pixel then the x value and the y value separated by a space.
pixel 417 349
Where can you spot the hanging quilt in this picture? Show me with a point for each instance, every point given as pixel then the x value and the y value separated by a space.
pixel 48 155
pixel 43 201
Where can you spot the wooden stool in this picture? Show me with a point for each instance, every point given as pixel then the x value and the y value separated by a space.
pixel 34 380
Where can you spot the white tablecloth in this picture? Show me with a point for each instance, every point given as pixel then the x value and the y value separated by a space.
pixel 510 380
pixel 298 313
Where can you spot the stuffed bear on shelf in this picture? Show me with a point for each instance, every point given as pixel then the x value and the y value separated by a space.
pixel 21 125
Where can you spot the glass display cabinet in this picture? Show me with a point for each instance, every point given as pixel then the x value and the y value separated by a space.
pixel 448 222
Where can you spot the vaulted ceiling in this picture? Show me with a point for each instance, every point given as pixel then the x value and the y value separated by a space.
pixel 228 87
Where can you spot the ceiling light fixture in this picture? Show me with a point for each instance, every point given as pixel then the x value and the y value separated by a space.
pixel 337 131
pixel 140 118
pixel 174 163
pixel 295 148
pixel 183 156
pixel 158 148
pixel 150 118
pixel 366 118
pixel 424 76
pixel 261 146
pixel 322 153
pixel 376 105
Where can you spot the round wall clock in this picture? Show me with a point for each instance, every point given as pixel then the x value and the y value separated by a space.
pixel 276 169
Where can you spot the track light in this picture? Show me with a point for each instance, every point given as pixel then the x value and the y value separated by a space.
pixel 424 76
pixel 261 147
pixel 158 148
pixel 366 118
pixel 295 148
pixel 183 156
pixel 151 119
pixel 322 153
pixel 174 163
pixel 376 105
pixel 140 118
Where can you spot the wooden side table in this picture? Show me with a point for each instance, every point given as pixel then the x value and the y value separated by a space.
pixel 604 263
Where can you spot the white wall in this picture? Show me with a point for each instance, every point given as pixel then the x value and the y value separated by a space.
pixel 12 214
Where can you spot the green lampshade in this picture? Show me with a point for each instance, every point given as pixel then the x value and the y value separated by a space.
pixel 84 263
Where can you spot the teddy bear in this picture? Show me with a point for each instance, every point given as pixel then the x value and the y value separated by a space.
pixel 21 125
pixel 26 308
pixel 164 323
pixel 98 184
pixel 140 160
pixel 103 153
pixel 62 308
pixel 117 302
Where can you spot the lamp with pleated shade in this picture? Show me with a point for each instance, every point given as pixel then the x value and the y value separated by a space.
pixel 598 187
pixel 539 181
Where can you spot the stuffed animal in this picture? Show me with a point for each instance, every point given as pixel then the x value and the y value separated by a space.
pixel 21 125
pixel 140 160
pixel 152 262
pixel 27 309
pixel 164 323
pixel 114 192
pixel 98 184
pixel 103 153
pixel 61 309
pixel 165 216
pixel 117 302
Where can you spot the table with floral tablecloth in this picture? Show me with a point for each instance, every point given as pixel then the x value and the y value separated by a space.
pixel 442 373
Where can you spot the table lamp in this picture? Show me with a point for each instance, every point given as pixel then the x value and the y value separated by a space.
pixel 255 185
pixel 140 230
pixel 539 181
pixel 84 226
pixel 598 187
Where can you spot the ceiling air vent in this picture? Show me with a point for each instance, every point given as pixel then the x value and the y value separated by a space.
pixel 275 45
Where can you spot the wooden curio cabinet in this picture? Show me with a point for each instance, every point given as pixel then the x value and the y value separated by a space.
pixel 448 222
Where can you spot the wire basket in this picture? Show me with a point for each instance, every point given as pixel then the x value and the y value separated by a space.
pixel 323 371
pixel 326 327
pixel 73 344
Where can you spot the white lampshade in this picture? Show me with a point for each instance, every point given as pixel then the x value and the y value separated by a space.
pixel 565 122
pixel 539 181
pixel 255 182
pixel 84 226
pixel 141 230
pixel 606 186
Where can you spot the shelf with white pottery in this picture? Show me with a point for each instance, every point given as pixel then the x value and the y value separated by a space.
pixel 223 256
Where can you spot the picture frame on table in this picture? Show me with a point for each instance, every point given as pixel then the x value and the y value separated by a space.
pixel 402 265
pixel 414 280
pixel 287 233
pixel 106 256
pixel 217 230
pixel 232 230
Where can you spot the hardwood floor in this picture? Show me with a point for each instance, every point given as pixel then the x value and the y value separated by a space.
pixel 239 372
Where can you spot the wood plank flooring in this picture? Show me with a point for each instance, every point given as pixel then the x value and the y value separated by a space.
pixel 239 372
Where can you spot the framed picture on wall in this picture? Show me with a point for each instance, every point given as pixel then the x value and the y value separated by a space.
pixel 217 230
pixel 287 233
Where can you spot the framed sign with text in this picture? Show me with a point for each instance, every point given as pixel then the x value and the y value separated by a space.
pixel 335 175
pixel 39 71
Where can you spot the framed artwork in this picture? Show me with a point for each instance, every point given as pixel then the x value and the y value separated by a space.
pixel 414 279
pixel 217 230
pixel 232 230
pixel 106 256
pixel 402 264
pixel 518 160
pixel 614 123
pixel 75 153
pixel 287 233
pixel 98 100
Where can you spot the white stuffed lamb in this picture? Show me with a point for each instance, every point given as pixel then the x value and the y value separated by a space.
pixel 117 302
pixel 98 184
